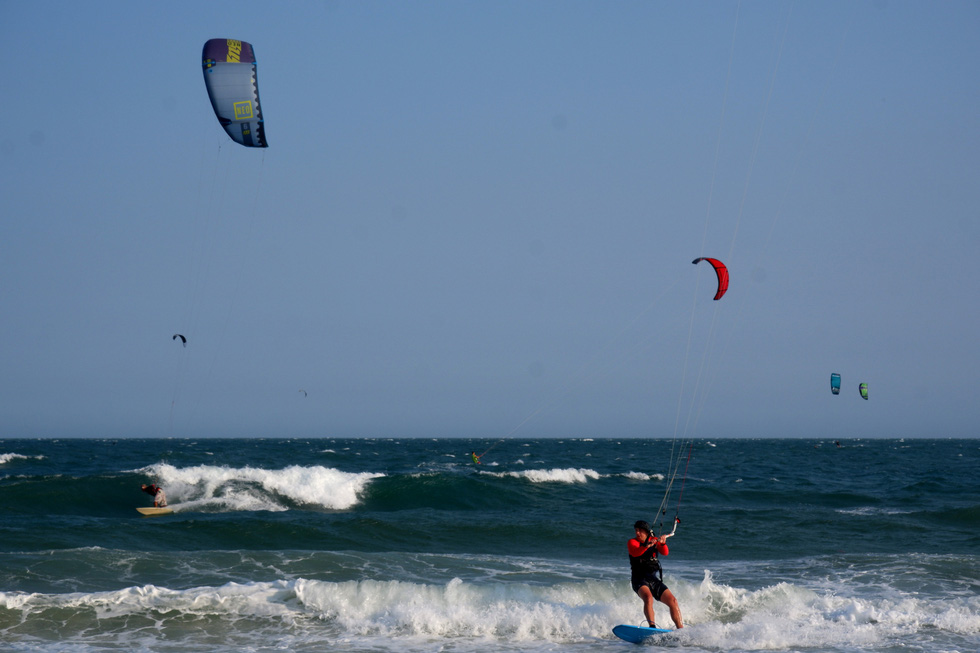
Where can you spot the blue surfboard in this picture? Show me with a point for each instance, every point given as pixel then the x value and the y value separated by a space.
pixel 637 634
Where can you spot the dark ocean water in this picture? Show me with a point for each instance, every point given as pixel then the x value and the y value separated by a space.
pixel 391 544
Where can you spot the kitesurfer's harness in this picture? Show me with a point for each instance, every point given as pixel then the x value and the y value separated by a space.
pixel 646 564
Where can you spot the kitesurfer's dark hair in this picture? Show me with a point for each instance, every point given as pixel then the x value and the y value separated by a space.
pixel 643 526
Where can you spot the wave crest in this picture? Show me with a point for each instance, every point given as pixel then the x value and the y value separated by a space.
pixel 569 475
pixel 254 488
pixel 7 457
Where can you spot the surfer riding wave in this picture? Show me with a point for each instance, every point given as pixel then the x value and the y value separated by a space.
pixel 159 497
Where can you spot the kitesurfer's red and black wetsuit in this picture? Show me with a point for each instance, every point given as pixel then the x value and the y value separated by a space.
pixel 644 566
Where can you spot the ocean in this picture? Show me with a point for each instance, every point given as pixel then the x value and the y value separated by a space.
pixel 389 544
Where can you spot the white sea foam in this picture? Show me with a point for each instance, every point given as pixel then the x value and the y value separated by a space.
pixel 7 457
pixel 788 616
pixel 466 616
pixel 572 475
pixel 569 475
pixel 252 488
pixel 641 476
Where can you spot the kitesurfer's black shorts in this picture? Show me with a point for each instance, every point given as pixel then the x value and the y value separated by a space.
pixel 656 585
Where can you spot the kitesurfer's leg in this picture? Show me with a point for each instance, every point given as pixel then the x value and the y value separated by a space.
pixel 668 599
pixel 647 596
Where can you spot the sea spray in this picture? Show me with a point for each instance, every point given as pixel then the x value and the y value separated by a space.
pixel 253 488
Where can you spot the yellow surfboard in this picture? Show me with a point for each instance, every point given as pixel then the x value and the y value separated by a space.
pixel 153 512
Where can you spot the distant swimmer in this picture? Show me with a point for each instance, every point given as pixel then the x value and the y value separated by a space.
pixel 646 576
pixel 476 459
pixel 159 497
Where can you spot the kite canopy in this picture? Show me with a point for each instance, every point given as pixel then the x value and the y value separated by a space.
pixel 720 270
pixel 182 339
pixel 835 383
pixel 863 388
pixel 230 75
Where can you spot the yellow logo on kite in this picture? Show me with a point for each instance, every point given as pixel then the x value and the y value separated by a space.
pixel 243 110
pixel 234 51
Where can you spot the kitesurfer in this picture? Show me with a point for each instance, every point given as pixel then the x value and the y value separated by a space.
pixel 159 497
pixel 476 459
pixel 646 576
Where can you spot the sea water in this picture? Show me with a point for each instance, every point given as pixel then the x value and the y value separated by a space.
pixel 389 544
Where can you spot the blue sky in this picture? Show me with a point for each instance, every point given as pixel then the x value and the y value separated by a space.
pixel 478 220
